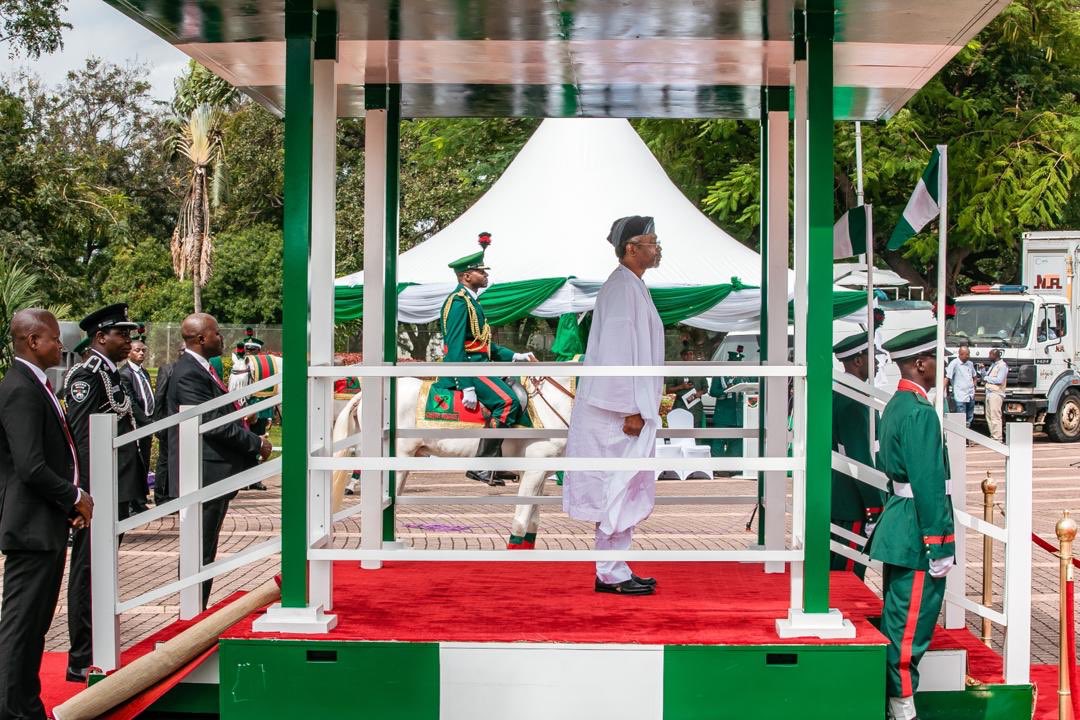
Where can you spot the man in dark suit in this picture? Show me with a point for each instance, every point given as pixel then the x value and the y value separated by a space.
pixel 95 386
pixel 137 387
pixel 161 411
pixel 39 499
pixel 226 450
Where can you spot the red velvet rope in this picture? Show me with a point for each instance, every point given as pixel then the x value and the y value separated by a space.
pixel 1050 548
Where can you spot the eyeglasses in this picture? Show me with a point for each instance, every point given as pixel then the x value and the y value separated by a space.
pixel 655 243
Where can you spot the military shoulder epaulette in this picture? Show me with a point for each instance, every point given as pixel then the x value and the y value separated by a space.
pixel 92 363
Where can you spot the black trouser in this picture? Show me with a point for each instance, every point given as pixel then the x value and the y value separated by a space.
pixel 213 517
pixel 31 588
pixel 80 629
pixel 161 470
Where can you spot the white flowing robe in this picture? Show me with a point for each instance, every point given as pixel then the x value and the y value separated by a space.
pixel 626 330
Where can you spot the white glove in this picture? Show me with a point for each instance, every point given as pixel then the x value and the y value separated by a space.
pixel 869 529
pixel 468 398
pixel 524 357
pixel 941 567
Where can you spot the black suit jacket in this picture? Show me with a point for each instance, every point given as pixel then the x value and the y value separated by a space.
pixel 161 402
pixel 131 389
pixel 85 394
pixel 37 472
pixel 226 450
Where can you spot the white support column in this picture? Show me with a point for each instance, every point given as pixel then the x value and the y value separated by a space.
pixel 189 472
pixel 1017 603
pixel 321 390
pixel 373 415
pixel 802 241
pixel 104 567
pixel 776 388
pixel 956 580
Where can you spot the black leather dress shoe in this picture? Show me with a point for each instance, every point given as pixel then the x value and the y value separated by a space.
pixel 78 675
pixel 651 582
pixel 256 486
pixel 506 476
pixel 485 476
pixel 627 587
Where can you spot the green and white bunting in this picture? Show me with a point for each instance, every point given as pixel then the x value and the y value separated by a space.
pixel 923 205
pixel 851 232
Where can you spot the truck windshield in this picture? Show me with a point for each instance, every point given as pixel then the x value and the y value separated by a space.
pixel 990 324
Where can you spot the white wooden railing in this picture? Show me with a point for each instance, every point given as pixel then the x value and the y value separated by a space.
pixel 106 528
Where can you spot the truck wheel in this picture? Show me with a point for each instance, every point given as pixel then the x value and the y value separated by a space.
pixel 1064 425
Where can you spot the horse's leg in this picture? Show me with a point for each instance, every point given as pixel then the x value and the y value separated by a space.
pixel 526 521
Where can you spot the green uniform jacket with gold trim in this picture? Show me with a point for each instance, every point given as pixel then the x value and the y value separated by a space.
pixel 853 500
pixel 467 335
pixel 913 530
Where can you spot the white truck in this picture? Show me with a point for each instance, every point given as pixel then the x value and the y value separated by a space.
pixel 1034 326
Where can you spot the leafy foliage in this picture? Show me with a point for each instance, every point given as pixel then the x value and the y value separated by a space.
pixel 32 27
pixel 20 288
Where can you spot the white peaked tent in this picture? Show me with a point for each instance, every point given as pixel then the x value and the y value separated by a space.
pixel 549 216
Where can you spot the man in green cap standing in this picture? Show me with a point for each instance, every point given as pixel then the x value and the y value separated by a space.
pixel 467 338
pixel 728 411
pixel 914 538
pixel 856 506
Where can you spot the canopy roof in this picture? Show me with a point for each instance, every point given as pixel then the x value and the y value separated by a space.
pixel 550 212
pixel 590 58
pixel 850 274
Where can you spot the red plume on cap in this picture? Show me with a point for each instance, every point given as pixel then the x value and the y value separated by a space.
pixel 484 239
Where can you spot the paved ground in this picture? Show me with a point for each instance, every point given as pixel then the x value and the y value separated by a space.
pixel 148 556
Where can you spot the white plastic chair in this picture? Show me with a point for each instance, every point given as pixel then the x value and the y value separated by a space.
pixel 680 419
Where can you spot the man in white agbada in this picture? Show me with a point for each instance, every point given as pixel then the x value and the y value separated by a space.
pixel 617 417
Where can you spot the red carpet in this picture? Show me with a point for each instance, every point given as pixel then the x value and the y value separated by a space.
pixel 695 603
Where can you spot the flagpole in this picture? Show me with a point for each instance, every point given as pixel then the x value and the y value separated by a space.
pixel 943 190
pixel 868 258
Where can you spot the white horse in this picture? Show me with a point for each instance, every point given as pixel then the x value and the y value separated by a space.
pixel 552 401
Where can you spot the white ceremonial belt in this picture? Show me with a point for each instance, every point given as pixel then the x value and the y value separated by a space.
pixel 903 489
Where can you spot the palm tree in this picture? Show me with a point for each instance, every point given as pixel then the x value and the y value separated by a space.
pixel 199 139
pixel 20 288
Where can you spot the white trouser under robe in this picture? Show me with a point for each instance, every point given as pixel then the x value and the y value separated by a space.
pixel 613 571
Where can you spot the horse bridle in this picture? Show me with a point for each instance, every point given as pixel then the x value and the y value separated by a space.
pixel 538 384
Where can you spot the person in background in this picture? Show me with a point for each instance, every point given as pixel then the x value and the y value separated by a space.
pixel 994 382
pixel 40 499
pixel 960 378
pixel 728 412
pixel 881 380
pixel 161 407
pixel 137 386
pixel 682 387
pixel 856 506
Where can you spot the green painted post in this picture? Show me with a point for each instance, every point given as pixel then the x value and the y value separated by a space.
pixel 763 321
pixel 819 42
pixel 390 298
pixel 299 91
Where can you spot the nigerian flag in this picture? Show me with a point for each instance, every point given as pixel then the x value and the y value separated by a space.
pixel 850 233
pixel 923 205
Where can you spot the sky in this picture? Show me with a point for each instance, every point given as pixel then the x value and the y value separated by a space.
pixel 103 31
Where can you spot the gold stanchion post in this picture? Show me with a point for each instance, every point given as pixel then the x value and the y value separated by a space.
pixel 1066 533
pixel 989 487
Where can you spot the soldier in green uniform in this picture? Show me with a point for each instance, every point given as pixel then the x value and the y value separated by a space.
pixel 728 412
pixel 855 505
pixel 914 537
pixel 467 338
pixel 681 386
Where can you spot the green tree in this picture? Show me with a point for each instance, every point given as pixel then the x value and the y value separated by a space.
pixel 32 27
pixel 198 86
pixel 20 288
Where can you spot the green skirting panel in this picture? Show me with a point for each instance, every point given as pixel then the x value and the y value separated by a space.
pixel 983 702
pixel 268 679
pixel 823 682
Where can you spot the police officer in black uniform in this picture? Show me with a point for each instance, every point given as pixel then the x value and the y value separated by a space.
pixel 94 386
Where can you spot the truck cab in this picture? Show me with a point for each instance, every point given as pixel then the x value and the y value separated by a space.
pixel 1033 325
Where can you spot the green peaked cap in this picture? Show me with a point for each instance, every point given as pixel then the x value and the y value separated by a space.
pixel 474 261
pixel 912 342
pixel 81 347
pixel 851 345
